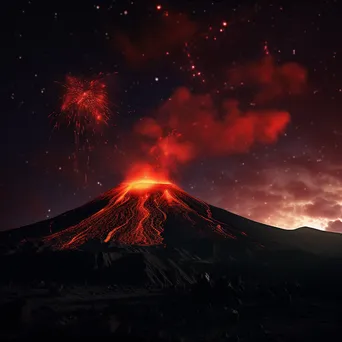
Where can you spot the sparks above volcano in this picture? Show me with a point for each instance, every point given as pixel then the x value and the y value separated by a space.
pixel 85 104
pixel 135 214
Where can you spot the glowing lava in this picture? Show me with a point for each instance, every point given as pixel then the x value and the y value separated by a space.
pixel 136 213
pixel 143 184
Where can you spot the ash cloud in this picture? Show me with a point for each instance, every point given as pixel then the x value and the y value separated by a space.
pixel 271 80
pixel 192 125
pixel 169 33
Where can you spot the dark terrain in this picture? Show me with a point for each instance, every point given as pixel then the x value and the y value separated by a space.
pixel 269 285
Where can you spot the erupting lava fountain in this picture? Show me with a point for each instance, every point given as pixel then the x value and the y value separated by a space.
pixel 136 213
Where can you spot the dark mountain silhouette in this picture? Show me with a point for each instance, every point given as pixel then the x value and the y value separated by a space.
pixel 161 232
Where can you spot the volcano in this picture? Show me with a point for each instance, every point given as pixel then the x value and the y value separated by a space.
pixel 136 213
pixel 158 230
pixel 148 212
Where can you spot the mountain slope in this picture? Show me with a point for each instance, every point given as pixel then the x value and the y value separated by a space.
pixel 151 213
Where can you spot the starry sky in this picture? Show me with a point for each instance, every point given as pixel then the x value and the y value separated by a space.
pixel 239 101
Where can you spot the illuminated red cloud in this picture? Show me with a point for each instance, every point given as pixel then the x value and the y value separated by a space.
pixel 334 226
pixel 279 191
pixel 322 207
pixel 149 128
pixel 167 34
pixel 191 125
pixel 298 190
pixel 271 80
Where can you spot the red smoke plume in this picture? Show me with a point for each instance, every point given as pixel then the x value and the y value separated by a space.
pixel 189 125
pixel 169 33
pixel 143 170
pixel 272 81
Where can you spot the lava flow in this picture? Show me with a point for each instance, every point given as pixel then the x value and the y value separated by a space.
pixel 135 215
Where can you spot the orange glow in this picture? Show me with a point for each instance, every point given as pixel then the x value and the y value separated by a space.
pixel 143 184
pixel 136 214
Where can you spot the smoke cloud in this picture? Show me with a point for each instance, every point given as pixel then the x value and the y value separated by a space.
pixel 168 34
pixel 191 125
pixel 271 80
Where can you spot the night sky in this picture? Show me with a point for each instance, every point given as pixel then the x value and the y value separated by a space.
pixel 241 104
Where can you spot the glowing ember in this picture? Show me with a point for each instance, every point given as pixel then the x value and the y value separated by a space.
pixel 85 103
pixel 135 215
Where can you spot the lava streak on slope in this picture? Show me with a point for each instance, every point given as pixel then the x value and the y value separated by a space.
pixel 135 215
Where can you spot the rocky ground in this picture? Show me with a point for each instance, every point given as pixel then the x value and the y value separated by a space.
pixel 224 310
